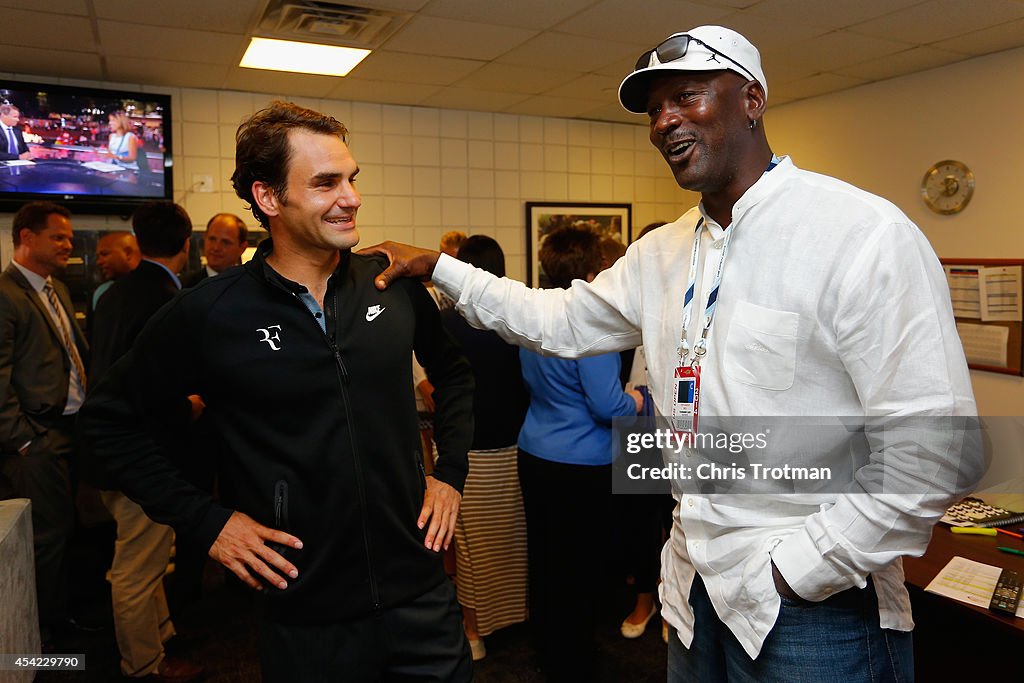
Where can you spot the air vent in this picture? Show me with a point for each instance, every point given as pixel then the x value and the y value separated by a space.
pixel 329 22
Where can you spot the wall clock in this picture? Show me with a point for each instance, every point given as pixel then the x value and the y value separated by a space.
pixel 947 187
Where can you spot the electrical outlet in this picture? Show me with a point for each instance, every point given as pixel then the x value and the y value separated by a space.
pixel 202 183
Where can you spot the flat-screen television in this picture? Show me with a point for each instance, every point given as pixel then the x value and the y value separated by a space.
pixel 93 150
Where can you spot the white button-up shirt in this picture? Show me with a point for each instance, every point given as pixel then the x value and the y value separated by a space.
pixel 832 303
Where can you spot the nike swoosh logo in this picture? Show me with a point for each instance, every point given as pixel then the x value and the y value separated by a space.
pixel 372 313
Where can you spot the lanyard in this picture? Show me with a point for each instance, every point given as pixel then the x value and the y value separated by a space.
pixel 701 347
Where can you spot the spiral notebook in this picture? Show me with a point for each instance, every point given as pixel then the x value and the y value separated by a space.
pixel 976 512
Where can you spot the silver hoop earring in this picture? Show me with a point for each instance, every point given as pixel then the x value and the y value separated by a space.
pixel 753 124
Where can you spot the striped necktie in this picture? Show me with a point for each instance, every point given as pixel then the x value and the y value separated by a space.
pixel 69 342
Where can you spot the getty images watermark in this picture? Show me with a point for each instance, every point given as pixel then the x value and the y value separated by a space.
pixel 802 455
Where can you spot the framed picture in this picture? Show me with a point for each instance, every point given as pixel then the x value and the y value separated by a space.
pixel 607 220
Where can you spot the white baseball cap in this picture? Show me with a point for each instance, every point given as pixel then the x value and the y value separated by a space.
pixel 705 48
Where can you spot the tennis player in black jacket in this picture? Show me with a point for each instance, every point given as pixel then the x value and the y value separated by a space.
pixel 304 368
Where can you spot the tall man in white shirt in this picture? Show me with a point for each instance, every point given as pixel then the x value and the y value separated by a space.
pixel 43 353
pixel 832 304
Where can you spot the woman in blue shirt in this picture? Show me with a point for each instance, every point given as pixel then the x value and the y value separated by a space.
pixel 565 457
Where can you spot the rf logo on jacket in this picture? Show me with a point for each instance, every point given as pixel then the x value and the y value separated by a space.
pixel 272 338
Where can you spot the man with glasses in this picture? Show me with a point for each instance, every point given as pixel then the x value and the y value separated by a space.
pixel 784 293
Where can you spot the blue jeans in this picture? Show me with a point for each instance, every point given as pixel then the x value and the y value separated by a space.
pixel 836 641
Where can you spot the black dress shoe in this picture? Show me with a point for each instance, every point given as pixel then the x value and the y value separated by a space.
pixel 74 625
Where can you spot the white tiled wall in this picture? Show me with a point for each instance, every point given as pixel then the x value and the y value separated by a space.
pixel 425 171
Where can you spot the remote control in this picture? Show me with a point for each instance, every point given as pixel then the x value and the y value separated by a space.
pixel 1007 593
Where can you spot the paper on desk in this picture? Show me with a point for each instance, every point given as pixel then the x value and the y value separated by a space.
pixel 20 162
pixel 968 581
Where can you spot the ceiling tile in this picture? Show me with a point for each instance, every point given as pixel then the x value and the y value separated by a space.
pixel 838 14
pixel 832 51
pixel 543 105
pixel 647 22
pixel 738 4
pixel 395 5
pixel 593 87
pixel 572 53
pixel 39 29
pixel 519 79
pixel 33 60
pixel 62 7
pixel 908 61
pixel 158 72
pixel 536 14
pixel 475 100
pixel 386 93
pixel 818 84
pixel 224 16
pixel 937 20
pixel 274 82
pixel 453 38
pixel 385 65
pixel 135 40
pixel 987 41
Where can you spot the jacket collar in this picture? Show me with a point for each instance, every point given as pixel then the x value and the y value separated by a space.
pixel 259 268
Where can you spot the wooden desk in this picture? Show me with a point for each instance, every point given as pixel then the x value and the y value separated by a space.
pixel 953 639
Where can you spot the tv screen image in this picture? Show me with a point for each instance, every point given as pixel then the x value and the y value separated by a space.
pixel 91 149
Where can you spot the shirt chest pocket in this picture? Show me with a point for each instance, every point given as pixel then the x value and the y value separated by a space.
pixel 760 349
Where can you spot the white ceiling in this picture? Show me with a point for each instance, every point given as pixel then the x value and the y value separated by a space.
pixel 543 57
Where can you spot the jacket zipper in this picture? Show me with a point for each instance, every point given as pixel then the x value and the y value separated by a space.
pixel 343 380
pixel 418 457
pixel 374 593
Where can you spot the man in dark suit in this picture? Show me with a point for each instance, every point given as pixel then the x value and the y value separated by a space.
pixel 142 621
pixel 224 242
pixel 42 384
pixel 13 146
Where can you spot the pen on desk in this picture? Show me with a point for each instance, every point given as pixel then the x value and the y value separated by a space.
pixel 1012 551
pixel 1009 533
pixel 980 531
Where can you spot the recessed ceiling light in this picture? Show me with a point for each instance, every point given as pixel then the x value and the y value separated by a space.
pixel 305 58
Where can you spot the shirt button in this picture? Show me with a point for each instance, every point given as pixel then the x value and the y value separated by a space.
pixel 827 591
pixel 689 502
pixel 318 315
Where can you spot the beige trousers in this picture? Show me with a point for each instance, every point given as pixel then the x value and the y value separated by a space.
pixel 142 622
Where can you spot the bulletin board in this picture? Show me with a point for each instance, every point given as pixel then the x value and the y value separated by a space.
pixel 987 301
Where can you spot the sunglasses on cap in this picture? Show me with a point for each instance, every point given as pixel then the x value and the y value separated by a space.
pixel 675 48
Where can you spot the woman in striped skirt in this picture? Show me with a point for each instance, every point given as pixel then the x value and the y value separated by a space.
pixel 490 534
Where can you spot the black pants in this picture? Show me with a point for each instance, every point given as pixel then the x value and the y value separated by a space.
pixel 43 476
pixel 418 641
pixel 643 520
pixel 568 535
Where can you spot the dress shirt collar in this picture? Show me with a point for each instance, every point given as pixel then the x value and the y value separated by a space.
pixel 765 186
pixel 35 279
pixel 174 278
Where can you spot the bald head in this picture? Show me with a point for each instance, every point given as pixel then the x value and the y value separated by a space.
pixel 117 254
pixel 225 241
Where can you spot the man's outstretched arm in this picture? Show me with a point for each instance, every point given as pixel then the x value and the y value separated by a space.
pixel 585 320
